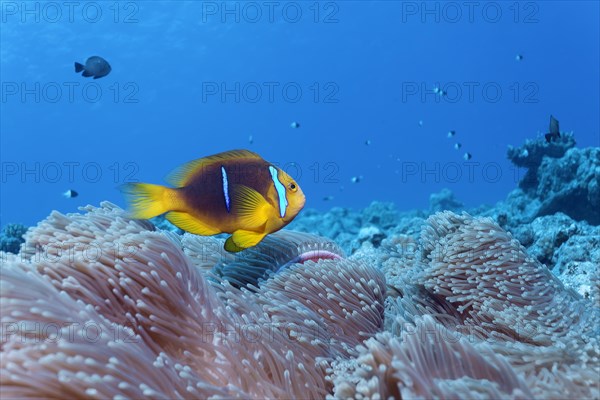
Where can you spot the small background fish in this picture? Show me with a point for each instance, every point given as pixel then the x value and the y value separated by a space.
pixel 553 130
pixel 94 66
pixel 70 194
pixel 233 192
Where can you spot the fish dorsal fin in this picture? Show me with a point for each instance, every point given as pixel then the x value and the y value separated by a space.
pixel 553 126
pixel 250 207
pixel 181 175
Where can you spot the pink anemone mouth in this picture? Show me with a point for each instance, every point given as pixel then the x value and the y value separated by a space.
pixel 275 253
pixel 312 255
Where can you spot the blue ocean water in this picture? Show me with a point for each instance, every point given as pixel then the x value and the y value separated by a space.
pixel 190 79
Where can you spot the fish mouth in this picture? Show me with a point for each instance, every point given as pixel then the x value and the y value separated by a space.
pixel 301 203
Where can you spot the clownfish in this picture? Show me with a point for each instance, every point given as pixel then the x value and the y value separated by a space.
pixel 233 192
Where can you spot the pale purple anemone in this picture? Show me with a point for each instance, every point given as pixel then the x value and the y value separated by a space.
pixel 474 316
pixel 275 253
pixel 312 255
pixel 99 306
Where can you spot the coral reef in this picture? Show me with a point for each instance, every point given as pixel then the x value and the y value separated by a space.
pixel 556 215
pixel 11 237
pixel 532 154
pixel 571 185
pixel 560 178
pixel 444 201
pixel 339 224
pixel 351 229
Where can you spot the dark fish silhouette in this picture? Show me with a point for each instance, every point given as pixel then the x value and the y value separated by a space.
pixel 554 132
pixel 94 66
pixel 69 194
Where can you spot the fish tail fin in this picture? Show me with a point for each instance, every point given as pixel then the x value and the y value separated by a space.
pixel 79 67
pixel 146 200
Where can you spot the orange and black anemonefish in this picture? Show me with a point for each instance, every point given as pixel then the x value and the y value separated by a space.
pixel 233 192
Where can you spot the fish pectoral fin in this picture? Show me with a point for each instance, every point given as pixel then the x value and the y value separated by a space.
pixel 250 207
pixel 242 239
pixel 191 224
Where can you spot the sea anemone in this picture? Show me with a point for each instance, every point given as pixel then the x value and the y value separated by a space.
pixel 426 361
pixel 99 305
pixel 178 334
pixel 475 281
pixel 275 253
pixel 54 346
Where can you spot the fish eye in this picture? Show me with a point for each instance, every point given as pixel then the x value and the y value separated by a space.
pixel 293 187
